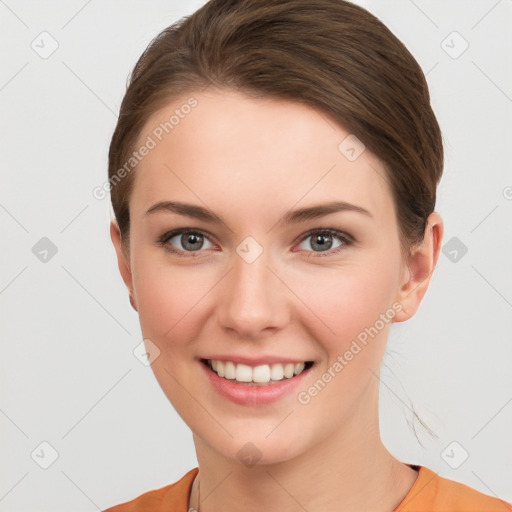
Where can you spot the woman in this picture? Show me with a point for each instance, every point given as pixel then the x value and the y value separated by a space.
pixel 273 176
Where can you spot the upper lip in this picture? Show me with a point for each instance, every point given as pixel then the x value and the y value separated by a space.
pixel 255 361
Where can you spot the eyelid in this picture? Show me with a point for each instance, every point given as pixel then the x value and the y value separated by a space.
pixel 164 239
pixel 179 231
pixel 344 237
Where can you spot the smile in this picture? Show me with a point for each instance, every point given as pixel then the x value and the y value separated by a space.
pixel 261 374
pixel 255 385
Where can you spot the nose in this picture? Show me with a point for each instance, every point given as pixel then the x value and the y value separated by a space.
pixel 253 302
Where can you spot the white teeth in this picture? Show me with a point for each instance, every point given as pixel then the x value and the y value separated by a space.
pixel 261 374
pixel 277 372
pixel 243 373
pixel 229 370
pixel 288 370
pixel 298 368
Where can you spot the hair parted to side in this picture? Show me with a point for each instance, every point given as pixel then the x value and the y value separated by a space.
pixel 329 54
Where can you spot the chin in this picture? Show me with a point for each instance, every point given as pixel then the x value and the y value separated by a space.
pixel 256 449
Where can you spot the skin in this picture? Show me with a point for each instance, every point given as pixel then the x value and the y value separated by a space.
pixel 250 160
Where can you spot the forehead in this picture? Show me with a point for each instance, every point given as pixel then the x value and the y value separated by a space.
pixel 253 153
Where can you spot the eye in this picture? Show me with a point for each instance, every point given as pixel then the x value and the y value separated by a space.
pixel 184 240
pixel 187 241
pixel 325 240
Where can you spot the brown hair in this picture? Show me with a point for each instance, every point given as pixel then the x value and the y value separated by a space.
pixel 329 54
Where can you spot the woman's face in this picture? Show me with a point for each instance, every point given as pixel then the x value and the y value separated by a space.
pixel 263 285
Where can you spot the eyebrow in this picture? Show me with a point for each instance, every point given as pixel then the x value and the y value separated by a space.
pixel 291 217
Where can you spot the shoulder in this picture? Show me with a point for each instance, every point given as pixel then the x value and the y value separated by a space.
pixel 159 500
pixel 433 493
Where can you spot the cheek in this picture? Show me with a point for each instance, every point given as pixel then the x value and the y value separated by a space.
pixel 337 303
pixel 172 314
pixel 347 300
pixel 171 299
pixel 355 308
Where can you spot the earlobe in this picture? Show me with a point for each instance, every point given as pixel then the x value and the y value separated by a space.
pixel 420 266
pixel 123 261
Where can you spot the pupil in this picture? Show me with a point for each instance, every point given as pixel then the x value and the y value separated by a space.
pixel 321 241
pixel 191 241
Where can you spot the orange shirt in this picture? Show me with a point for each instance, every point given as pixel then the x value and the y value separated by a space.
pixel 430 493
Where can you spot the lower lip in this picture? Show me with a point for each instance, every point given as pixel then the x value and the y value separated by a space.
pixel 245 394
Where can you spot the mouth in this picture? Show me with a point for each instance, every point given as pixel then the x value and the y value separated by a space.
pixel 260 375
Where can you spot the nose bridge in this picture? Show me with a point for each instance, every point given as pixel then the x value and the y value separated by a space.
pixel 252 300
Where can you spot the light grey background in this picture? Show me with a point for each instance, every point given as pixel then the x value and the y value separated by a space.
pixel 68 374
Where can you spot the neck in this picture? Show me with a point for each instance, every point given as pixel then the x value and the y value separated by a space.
pixel 349 470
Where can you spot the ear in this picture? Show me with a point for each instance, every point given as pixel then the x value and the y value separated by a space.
pixel 419 268
pixel 123 261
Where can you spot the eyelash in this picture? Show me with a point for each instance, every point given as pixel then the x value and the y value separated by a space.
pixel 346 240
